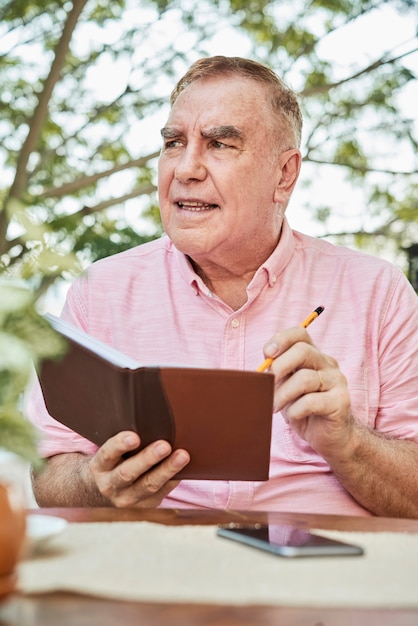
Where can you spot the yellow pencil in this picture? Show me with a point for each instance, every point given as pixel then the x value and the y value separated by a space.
pixel 264 366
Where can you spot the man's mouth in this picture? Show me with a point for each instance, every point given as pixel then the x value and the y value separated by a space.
pixel 196 206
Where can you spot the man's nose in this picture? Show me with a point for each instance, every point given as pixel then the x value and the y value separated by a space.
pixel 190 166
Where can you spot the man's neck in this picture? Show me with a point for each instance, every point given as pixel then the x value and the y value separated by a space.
pixel 229 286
pixel 229 279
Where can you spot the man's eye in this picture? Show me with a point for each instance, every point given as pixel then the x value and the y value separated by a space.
pixel 172 143
pixel 220 145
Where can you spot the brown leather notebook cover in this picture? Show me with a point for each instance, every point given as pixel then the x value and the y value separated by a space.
pixel 222 417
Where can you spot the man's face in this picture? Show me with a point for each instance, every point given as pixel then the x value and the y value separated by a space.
pixel 218 172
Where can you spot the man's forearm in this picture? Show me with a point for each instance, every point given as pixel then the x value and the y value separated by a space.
pixel 381 474
pixel 66 480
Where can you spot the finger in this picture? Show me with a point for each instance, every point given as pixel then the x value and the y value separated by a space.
pixel 325 394
pixel 281 342
pixel 130 498
pixel 300 357
pixel 323 419
pixel 110 453
pixel 152 487
pixel 155 499
pixel 300 383
pixel 127 485
pixel 156 479
pixel 151 468
pixel 321 381
pixel 305 383
pixel 119 472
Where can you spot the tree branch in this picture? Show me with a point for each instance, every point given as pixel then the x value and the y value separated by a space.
pixel 358 168
pixel 40 113
pixel 381 230
pixel 85 181
pixel 89 210
pixel 332 29
pixel 106 204
pixel 46 154
pixel 307 93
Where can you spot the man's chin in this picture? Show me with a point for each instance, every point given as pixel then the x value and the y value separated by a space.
pixel 191 242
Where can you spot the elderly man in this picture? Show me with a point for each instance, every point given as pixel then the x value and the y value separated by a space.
pixel 230 277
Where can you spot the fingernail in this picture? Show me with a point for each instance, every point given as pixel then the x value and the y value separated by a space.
pixel 130 440
pixel 181 459
pixel 162 448
pixel 271 349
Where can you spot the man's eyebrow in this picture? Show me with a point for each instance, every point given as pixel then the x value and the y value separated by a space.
pixel 216 132
pixel 169 133
pixel 223 132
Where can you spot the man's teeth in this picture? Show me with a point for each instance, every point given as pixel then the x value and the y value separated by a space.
pixel 196 206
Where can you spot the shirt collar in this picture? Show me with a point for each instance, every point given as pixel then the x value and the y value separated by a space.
pixel 272 267
pixel 281 255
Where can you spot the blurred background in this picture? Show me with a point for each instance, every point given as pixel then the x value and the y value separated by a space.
pixel 84 90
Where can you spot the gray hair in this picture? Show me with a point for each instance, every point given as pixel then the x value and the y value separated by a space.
pixel 283 100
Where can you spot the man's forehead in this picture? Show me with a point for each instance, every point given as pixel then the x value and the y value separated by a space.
pixel 234 110
pixel 214 121
pixel 215 96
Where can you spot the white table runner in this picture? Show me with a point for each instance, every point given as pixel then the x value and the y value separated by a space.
pixel 151 562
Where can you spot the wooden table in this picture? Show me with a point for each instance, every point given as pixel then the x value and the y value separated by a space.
pixel 65 609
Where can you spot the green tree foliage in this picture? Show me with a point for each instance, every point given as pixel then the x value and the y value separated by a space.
pixel 25 339
pixel 78 166
pixel 355 125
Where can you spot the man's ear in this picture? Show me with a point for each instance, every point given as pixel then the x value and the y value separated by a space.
pixel 287 175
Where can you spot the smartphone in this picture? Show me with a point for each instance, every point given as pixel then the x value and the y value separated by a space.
pixel 288 541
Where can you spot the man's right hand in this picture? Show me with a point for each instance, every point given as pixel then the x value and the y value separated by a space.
pixel 143 479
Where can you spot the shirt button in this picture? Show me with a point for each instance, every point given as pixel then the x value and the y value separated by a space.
pixel 273 278
pixel 235 323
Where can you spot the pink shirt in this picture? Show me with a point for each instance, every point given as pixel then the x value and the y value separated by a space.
pixel 150 304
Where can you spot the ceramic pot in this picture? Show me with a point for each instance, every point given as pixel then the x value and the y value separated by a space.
pixel 12 536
